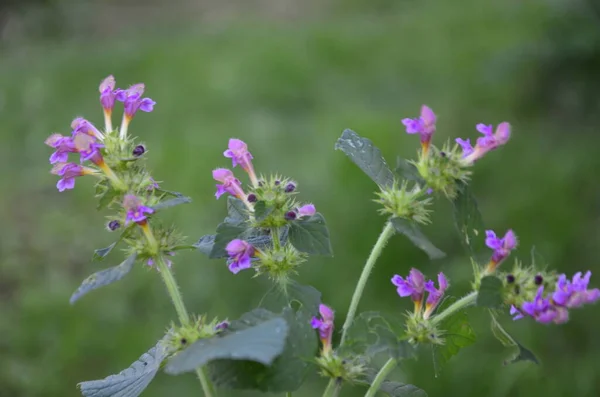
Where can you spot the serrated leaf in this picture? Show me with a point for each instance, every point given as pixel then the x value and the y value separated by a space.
pixel 521 353
pixel 469 223
pixel 286 373
pixel 408 170
pixel 225 233
pixel 236 211
pixel 367 156
pixel 458 334
pixel 261 343
pixel 371 334
pixel 103 277
pixel 490 292
pixel 172 203
pixel 130 382
pixel 261 211
pixel 415 235
pixel 311 235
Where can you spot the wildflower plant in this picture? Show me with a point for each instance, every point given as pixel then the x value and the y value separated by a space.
pixel 271 231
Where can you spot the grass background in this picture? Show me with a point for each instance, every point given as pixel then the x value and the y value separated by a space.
pixel 288 77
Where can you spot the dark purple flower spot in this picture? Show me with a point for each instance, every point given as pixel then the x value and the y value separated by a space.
pixel 510 278
pixel 277 183
pixel 252 198
pixel 538 280
pixel 290 187
pixel 139 150
pixel 290 215
pixel 114 225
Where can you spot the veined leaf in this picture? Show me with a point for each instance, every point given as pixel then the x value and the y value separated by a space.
pixel 237 213
pixel 490 292
pixel 225 233
pixel 257 338
pixel 367 156
pixel 394 389
pixel 103 277
pixel 172 203
pixel 416 236
pixel 261 211
pixel 408 171
pixel 311 235
pixel 469 223
pixel 521 353
pixel 130 382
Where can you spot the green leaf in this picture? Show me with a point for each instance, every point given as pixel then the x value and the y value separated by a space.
pixel 205 244
pixel 225 233
pixel 371 334
pixel 100 253
pixel 521 353
pixel 261 211
pixel 170 192
pixel 311 235
pixel 286 373
pixel 469 223
pixel 367 156
pixel 490 292
pixel 394 389
pixel 130 382
pixel 308 297
pixel 415 235
pixel 255 338
pixel 172 203
pixel 458 334
pixel 236 211
pixel 104 277
pixel 408 170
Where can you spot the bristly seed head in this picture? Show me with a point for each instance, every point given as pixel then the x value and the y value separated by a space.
pixel 139 150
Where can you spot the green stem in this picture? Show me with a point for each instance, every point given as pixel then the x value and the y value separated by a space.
pixel 288 394
pixel 388 231
pixel 333 388
pixel 184 317
pixel 460 304
pixel 380 377
pixel 275 238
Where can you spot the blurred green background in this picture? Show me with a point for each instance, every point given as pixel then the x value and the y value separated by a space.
pixel 287 77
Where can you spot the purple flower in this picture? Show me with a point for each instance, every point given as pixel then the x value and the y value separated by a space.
pixel 82 126
pixel 132 100
pixel 466 146
pixel 489 141
pixel 230 184
pixel 239 154
pixel 107 93
pixel 413 286
pixel 168 262
pixel 68 172
pixel 543 311
pixel 424 125
pixel 501 246
pixel 516 313
pixel 574 293
pixel 324 325
pixel 63 145
pixel 435 295
pixel 306 210
pixel 135 210
pixel 88 149
pixel 239 252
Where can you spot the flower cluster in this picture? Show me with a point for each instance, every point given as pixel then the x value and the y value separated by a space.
pixel 270 209
pixel 443 169
pixel 325 326
pixel 415 286
pixel 553 306
pixel 117 163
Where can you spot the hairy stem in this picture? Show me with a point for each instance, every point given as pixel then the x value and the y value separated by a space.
pixel 388 231
pixel 333 388
pixel 380 377
pixel 184 317
pixel 460 304
pixel 275 238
